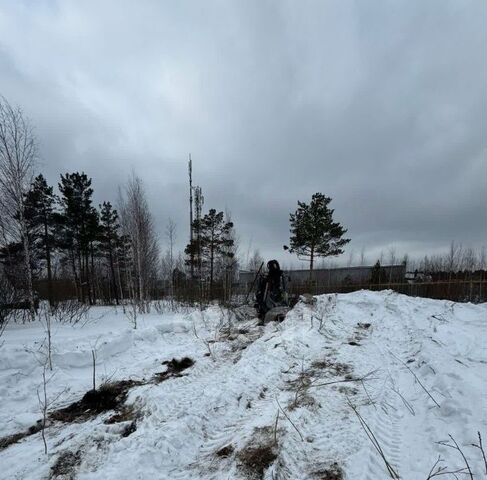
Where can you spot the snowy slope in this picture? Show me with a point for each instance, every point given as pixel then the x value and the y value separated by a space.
pixel 217 419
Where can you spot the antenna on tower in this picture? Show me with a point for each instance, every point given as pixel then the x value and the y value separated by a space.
pixel 190 172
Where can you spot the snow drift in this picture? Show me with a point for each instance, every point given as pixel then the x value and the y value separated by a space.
pixel 273 402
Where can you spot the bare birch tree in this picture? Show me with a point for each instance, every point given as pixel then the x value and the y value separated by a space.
pixel 168 261
pixel 137 224
pixel 255 261
pixel 362 256
pixel 392 261
pixel 18 153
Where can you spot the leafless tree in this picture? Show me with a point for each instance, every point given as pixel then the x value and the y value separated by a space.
pixel 469 259
pixel 453 257
pixel 168 262
pixel 45 318
pixel 18 153
pixel 8 296
pixel 131 312
pixel 362 256
pixel 137 223
pixel 255 261
pixel 482 264
pixel 405 260
pixel 171 238
pixel 43 405
pixel 351 258
pixel 392 260
pixel 45 402
pixel 482 258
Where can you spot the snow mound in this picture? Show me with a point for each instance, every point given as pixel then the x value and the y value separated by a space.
pixel 276 402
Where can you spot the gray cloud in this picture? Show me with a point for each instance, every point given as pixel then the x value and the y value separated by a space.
pixel 379 105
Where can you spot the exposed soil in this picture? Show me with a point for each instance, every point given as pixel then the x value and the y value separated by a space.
pixel 16 437
pixel 333 472
pixel 364 326
pixel 11 439
pixel 256 460
pixel 259 453
pixel 65 466
pixel 129 429
pixel 110 396
pixel 225 451
pixel 125 414
pixel 174 369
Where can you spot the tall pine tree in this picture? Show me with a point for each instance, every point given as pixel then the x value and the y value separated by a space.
pixel 314 233
pixel 41 221
pixel 109 241
pixel 80 229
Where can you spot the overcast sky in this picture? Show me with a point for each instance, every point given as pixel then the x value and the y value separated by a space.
pixel 380 105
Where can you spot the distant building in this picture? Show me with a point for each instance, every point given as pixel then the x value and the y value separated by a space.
pixel 335 276
pixel 418 277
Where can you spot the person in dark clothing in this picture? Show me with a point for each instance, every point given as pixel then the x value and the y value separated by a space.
pixel 271 289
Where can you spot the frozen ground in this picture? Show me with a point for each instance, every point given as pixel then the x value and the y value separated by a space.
pixel 218 420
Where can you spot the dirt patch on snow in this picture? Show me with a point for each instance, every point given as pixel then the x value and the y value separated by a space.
pixel 129 429
pixel 125 414
pixel 259 454
pixel 336 368
pixel 16 437
pixel 174 369
pixel 11 439
pixel 256 460
pixel 110 396
pixel 333 472
pixel 65 466
pixel 225 451
pixel 363 326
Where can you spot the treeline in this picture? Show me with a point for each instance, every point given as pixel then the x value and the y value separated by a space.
pixel 54 239
pixel 458 259
pixel 106 254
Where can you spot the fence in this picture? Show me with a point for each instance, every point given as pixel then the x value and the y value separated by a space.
pixel 457 290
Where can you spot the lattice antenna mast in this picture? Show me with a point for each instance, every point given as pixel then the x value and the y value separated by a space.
pixel 190 172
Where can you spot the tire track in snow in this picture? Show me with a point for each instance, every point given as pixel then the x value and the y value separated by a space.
pixel 385 424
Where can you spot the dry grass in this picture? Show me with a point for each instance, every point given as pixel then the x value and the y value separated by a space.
pixel 336 368
pixel 110 396
pixel 16 437
pixel 65 466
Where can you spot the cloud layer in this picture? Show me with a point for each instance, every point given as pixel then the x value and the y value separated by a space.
pixel 380 105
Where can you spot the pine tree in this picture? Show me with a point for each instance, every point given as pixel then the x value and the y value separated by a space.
pixel 214 242
pixel 41 223
pixel 79 229
pixel 313 231
pixel 109 240
pixel 378 274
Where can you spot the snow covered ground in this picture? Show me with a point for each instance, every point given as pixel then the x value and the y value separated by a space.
pixel 263 404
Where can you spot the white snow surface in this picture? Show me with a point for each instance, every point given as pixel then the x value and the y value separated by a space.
pixel 232 397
